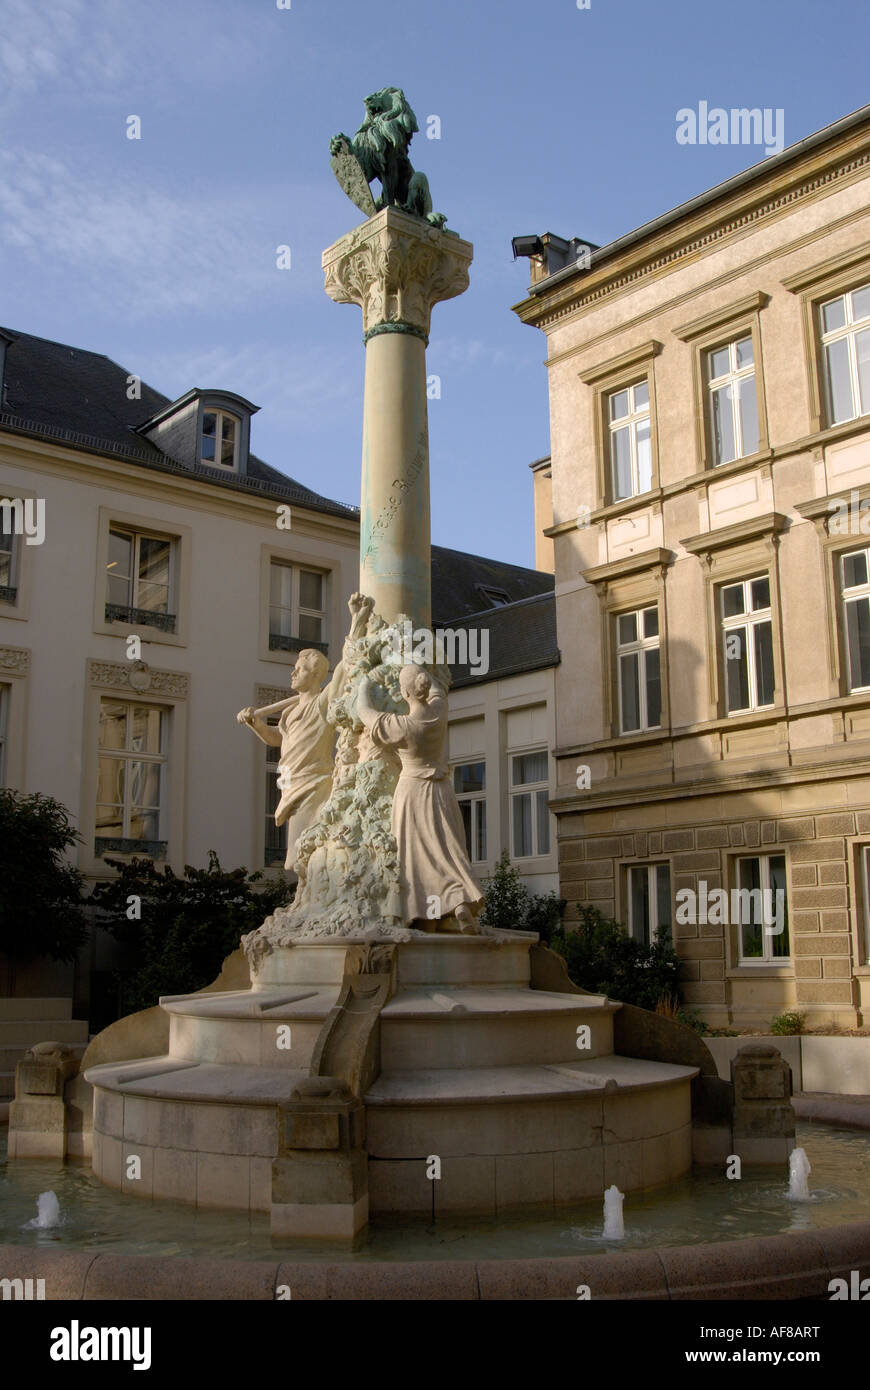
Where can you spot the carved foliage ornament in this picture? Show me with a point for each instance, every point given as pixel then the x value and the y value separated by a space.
pixel 138 677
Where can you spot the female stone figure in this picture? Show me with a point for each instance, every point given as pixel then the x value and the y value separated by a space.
pixel 436 874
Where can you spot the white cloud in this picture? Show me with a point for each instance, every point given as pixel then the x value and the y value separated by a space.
pixel 67 43
pixel 142 250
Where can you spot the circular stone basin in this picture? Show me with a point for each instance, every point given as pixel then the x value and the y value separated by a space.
pixel 703 1207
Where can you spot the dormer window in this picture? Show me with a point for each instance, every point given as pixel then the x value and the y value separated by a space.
pixel 496 598
pixel 219 439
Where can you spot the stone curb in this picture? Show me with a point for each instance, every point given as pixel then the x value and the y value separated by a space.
pixel 846 1112
pixel 796 1266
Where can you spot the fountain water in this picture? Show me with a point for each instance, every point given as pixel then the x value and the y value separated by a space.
pixel 798 1172
pixel 614 1223
pixel 47 1212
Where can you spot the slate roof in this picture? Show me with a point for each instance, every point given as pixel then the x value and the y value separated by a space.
pixel 56 391
pixel 60 392
pixel 459 581
pixel 522 637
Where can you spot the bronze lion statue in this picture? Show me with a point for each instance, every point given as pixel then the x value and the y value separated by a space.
pixel 381 149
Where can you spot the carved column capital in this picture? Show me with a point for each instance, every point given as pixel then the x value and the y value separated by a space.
pixel 396 267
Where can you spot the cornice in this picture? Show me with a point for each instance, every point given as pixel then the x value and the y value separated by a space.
pixel 630 564
pixel 705 229
pixel 770 524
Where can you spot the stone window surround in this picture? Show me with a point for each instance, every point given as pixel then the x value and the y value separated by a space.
pixel 730 553
pixel 15 675
pixel 181 538
pixel 529 861
pixel 264 695
pixel 820 510
pixel 735 968
pixel 23 557
pixel 824 281
pixel 298 558
pixel 610 376
pixel 740 319
pixel 622 907
pixel 859 926
pixel 137 682
pixel 638 581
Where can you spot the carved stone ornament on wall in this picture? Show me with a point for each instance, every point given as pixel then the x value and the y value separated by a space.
pixel 138 676
pixel 396 268
pixel 15 660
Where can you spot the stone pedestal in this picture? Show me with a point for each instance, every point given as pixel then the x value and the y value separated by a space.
pixel 396 267
pixel 763 1124
pixel 37 1115
pixel 320 1187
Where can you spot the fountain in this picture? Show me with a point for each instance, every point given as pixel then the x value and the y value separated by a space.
pixel 47 1213
pixel 798 1174
pixel 614 1222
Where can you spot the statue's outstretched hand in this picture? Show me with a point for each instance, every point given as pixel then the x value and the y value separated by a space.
pixel 359 603
pixel 246 715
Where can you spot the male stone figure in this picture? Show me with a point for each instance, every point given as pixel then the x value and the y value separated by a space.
pixel 305 735
pixel 436 876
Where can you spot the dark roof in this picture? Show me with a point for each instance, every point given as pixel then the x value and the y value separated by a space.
pixel 522 637
pixel 79 398
pixel 460 581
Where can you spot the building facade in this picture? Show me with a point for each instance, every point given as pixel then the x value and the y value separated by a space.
pixel 155 578
pixel 709 384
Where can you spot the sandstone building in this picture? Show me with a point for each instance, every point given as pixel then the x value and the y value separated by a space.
pixel 709 382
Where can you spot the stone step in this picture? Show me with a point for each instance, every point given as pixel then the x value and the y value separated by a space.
pixel 491 1027
pixel 250 1028
pixel 24 1032
pixel 35 1009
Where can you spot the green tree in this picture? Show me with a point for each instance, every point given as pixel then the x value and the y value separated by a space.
pixel 510 906
pixel 176 931
pixel 40 891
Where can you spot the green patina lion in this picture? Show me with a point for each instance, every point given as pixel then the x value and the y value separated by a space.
pixel 380 148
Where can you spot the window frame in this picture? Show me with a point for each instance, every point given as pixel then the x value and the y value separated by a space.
pixel 477 802
pixel 735 375
pixel 221 413
pixel 813 287
pixel 641 645
pixel 705 335
pixel 23 555
pixel 653 866
pixel 530 789
pixel 842 600
pixel 605 380
pixel 747 619
pixel 181 540
pixel 767 959
pixel 848 332
pixel 630 422
pixel 140 616
pixel 297 611
pixel 336 585
pixel 126 756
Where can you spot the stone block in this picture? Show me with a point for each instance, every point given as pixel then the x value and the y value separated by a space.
pixel 578 1174
pixel 768 832
pixel 711 836
pixel 677 840
pixel 523 1180
pixel 466 1184
pixel 798 828
pixel 815 851
pixel 834 896
pixel 835 920
pixel 655 842
pixel 735 835
pixel 821 945
pixel 840 823
pixel 174 1174
pixel 804 876
pixel 807 968
pixel 832 873
pixel 697 861
pixel 223 1180
pixel 751 834
pixel 711 1144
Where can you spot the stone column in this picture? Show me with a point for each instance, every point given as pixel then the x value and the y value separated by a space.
pixel 396 267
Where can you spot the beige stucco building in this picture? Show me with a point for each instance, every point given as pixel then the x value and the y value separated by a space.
pixel 709 384
pixel 132 517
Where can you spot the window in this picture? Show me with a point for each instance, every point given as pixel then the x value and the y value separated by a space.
pixel 131 770
pixel 275 841
pixel 139 579
pixel 748 645
pixel 496 598
pixel 649 901
pixel 761 908
pixel 219 439
pixel 865 880
pixel 845 337
pixel 733 403
pixel 855 572
pixel 4 725
pixel 8 556
pixel 630 452
pixel 530 792
pixel 638 660
pixel 469 783
pixel 297 608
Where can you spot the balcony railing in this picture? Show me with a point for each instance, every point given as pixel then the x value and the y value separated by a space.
pixel 139 617
pixel 117 844
pixel 8 593
pixel 279 643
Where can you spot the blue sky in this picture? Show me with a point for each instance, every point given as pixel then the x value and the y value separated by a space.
pixel 161 252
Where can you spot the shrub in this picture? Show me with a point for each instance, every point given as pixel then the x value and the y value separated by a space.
pixel 510 906
pixel 186 926
pixel 670 1006
pixel 40 891
pixel 787 1024
pixel 603 958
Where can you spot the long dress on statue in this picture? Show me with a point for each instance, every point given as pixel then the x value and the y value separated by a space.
pixel 427 821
